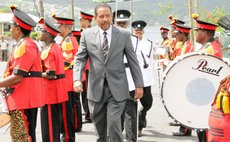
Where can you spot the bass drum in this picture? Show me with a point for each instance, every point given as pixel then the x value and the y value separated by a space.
pixel 188 87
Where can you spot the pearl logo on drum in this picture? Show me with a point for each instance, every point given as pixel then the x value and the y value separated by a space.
pixel 203 67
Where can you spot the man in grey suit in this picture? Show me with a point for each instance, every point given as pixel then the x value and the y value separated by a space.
pixel 105 46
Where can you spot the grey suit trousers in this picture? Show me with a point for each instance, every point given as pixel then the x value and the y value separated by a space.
pixel 106 116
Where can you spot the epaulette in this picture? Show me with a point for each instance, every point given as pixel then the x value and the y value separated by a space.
pixel 67 45
pixel 67 56
pixel 45 53
pixel 20 49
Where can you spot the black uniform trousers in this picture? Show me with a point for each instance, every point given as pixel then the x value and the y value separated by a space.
pixel 76 103
pixel 31 115
pixel 146 102
pixel 185 131
pixel 67 121
pixel 202 136
pixel 129 118
pixel 51 122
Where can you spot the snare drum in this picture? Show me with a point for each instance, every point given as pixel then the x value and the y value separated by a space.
pixel 4 113
pixel 188 87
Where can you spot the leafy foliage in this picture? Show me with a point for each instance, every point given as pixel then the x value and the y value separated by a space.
pixel 8 34
pixel 4 9
pixel 34 35
pixel 214 16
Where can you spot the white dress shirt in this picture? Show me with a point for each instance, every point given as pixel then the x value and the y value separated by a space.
pixel 108 35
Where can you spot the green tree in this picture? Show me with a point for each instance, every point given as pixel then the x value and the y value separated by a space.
pixel 4 9
pixel 214 16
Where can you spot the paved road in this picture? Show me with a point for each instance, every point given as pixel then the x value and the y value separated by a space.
pixel 157 129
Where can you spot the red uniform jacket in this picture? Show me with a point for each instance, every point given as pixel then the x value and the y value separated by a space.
pixel 212 48
pixel 25 61
pixel 69 47
pixel 52 63
pixel 217 49
pixel 187 48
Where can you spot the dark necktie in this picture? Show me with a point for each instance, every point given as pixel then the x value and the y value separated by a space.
pixel 105 47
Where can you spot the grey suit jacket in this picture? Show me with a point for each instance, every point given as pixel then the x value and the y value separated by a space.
pixel 112 68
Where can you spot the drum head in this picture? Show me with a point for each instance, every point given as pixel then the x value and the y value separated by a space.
pixel 4 119
pixel 189 86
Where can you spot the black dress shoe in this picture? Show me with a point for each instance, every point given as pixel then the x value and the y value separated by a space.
pixel 180 134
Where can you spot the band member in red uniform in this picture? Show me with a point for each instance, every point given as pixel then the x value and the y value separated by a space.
pixel 23 79
pixel 175 45
pixel 69 48
pixel 54 83
pixel 85 22
pixel 182 35
pixel 166 42
pixel 205 36
pixel 77 35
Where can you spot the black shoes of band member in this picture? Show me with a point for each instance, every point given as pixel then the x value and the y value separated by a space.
pixel 180 134
pixel 78 130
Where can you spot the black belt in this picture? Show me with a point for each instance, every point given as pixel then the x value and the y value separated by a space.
pixel 66 64
pixel 59 76
pixel 69 67
pixel 127 65
pixel 33 74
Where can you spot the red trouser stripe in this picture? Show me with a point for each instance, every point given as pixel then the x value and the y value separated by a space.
pixel 50 122
pixel 65 121
pixel 26 124
pixel 75 117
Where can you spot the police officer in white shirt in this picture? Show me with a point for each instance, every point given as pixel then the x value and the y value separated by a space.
pixel 145 57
